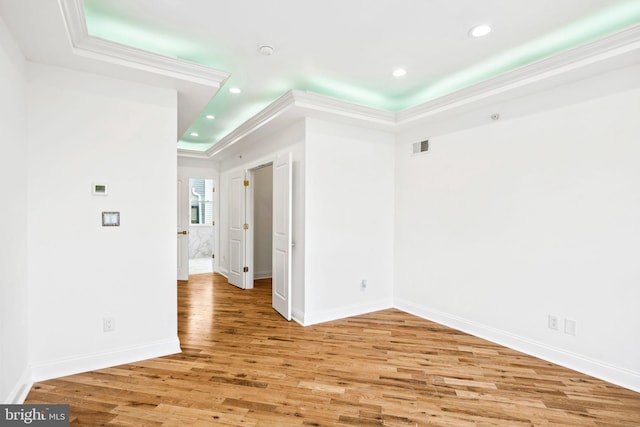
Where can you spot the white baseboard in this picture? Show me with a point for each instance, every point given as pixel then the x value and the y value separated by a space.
pixel 91 362
pixel 262 275
pixel 224 272
pixel 619 376
pixel 342 312
pixel 21 389
pixel 297 316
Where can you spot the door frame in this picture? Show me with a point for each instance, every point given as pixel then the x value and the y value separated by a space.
pixel 182 222
pixel 187 176
pixel 250 214
pixel 249 169
pixel 216 216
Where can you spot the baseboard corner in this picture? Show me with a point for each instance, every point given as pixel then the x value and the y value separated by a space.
pixel 21 389
pixel 577 362
pixel 344 312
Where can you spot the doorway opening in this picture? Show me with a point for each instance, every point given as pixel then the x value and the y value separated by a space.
pixel 262 220
pixel 242 226
pixel 201 225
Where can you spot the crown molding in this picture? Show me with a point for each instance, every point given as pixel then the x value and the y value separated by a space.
pixel 294 104
pixel 96 48
pixel 313 102
pixel 266 115
pixel 307 104
pixel 545 71
pixel 590 53
pixel 192 154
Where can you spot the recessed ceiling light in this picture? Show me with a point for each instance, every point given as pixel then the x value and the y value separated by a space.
pixel 399 72
pixel 194 134
pixel 235 90
pixel 210 116
pixel 480 30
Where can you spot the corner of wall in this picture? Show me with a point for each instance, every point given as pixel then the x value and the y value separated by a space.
pixel 14 350
pixel 322 316
pixel 21 389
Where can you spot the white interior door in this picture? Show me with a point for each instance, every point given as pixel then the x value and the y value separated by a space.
pixel 237 219
pixel 281 269
pixel 183 228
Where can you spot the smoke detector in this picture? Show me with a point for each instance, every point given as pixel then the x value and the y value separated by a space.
pixel 266 50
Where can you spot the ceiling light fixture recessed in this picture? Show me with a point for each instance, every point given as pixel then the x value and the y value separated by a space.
pixel 399 72
pixel 235 90
pixel 480 30
pixel 266 50
pixel 194 134
pixel 210 116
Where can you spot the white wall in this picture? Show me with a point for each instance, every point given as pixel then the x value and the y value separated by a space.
pixel 197 168
pixel 85 128
pixel 14 374
pixel 263 221
pixel 501 225
pixel 349 220
pixel 247 156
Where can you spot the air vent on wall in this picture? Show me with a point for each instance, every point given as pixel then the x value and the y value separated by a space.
pixel 421 147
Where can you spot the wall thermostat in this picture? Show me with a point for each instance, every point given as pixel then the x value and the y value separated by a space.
pixel 99 189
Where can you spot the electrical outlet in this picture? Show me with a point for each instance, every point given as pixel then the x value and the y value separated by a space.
pixel 109 324
pixel 569 327
pixel 553 322
pixel 363 285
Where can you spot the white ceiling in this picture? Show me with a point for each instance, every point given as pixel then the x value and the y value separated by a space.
pixel 341 48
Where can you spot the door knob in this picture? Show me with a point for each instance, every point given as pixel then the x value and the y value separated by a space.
pixel 183 232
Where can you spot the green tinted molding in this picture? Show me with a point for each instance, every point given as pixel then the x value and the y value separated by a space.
pixel 615 18
pixel 107 25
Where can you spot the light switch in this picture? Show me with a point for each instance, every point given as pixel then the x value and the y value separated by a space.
pixel 110 219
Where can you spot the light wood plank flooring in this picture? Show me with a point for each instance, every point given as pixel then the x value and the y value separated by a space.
pixel 243 365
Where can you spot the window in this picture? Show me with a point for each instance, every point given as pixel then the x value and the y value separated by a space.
pixel 201 201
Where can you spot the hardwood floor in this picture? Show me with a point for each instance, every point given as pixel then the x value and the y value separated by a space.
pixel 243 365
